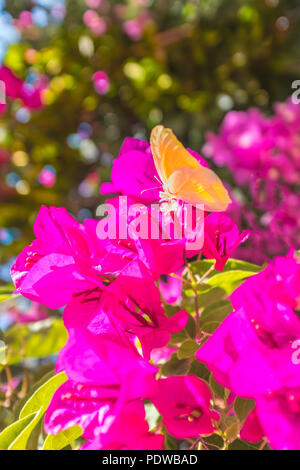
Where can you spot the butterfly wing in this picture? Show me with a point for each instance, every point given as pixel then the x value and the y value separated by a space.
pixel 183 176
pixel 168 153
pixel 199 186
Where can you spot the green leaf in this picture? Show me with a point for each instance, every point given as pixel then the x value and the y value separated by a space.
pixel 15 431
pixel 229 280
pixel 239 444
pixel 170 443
pixel 175 366
pixel 200 370
pixel 62 439
pixel 233 274
pixel 216 312
pixel 190 328
pixel 232 432
pixel 202 266
pixel 226 422
pixel 210 297
pixel 187 349
pixel 214 441
pixel 16 436
pixel 19 405
pixel 42 397
pixel 21 440
pixel 41 339
pixel 34 438
pixel 242 407
pixel 216 387
pixel 210 327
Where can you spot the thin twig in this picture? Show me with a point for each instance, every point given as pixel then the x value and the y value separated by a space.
pixel 206 274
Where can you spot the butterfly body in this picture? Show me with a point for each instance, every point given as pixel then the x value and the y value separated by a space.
pixel 182 176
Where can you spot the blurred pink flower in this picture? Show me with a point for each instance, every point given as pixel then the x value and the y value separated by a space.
pixel 36 312
pixel 93 21
pixel 15 88
pixel 24 20
pixel 101 82
pixel 93 3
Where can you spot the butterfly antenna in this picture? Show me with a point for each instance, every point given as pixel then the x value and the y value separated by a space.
pixel 150 189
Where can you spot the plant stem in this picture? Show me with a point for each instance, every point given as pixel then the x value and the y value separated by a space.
pixel 180 278
pixel 206 274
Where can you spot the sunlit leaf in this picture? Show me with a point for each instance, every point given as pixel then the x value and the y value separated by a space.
pixel 187 349
pixel 62 439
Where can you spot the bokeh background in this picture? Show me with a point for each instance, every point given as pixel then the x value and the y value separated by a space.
pixel 96 71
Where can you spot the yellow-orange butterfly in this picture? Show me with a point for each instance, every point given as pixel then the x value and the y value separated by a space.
pixel 182 176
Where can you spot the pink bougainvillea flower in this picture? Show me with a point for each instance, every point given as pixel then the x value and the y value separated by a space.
pixel 251 352
pixel 106 373
pixel 104 424
pixel 221 238
pixel 77 404
pixel 133 305
pixel 141 312
pixel 129 431
pixel 161 254
pixel 249 359
pixel 63 259
pixel 107 355
pixel 279 417
pixel 68 261
pixel 184 403
pixel 252 430
pixel 161 240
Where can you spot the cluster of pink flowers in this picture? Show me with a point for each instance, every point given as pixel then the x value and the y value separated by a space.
pixel 115 318
pixel 93 21
pixel 14 87
pixel 134 17
pixel 263 156
pixel 24 20
pixel 256 352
